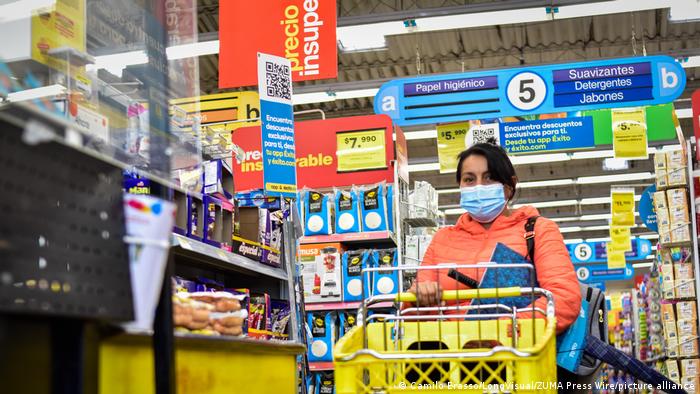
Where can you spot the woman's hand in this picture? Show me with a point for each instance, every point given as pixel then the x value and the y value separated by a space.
pixel 427 293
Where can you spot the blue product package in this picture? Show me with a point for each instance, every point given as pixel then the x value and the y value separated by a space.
pixel 348 320
pixel 571 344
pixel 322 338
pixel 325 382
pixel 353 263
pixel 385 282
pixel 373 205
pixel 347 212
pixel 317 214
pixel 390 206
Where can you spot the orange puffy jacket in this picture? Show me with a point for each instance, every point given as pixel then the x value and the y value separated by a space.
pixel 469 243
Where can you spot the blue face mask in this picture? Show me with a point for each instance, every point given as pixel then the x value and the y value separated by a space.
pixel 483 202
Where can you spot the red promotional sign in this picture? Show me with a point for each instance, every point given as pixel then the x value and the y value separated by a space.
pixel 303 31
pixel 316 146
pixel 695 101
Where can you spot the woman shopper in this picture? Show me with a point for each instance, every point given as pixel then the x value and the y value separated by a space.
pixel 487 182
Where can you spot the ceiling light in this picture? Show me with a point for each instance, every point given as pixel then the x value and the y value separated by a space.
pixel 638 176
pixel 594 154
pixel 608 7
pixel 201 48
pixel 36 93
pixel 553 182
pixel 548 204
pixel 573 241
pixel 685 113
pixel 683 10
pixel 420 135
pixel 613 164
pixel 24 9
pixel 455 211
pixel 324 97
pixel 546 158
pixel 117 62
pixel 423 167
pixel 573 229
pixel 603 239
pixel 643 265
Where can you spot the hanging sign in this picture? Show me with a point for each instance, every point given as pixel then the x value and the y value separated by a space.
pixel 601 273
pixel 451 141
pixel 302 31
pixel 521 91
pixel 622 207
pixel 616 258
pixel 277 117
pixel 646 208
pixel 620 239
pixel 630 133
pixel 361 150
pixel 596 252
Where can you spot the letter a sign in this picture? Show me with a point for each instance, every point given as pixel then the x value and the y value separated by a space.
pixel 303 31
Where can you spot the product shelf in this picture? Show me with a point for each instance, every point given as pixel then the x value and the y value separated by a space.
pixel 321 366
pixel 675 244
pixel 187 247
pixel 421 222
pixel 378 236
pixel 332 306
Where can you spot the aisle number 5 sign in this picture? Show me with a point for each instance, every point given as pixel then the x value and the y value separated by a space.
pixel 361 150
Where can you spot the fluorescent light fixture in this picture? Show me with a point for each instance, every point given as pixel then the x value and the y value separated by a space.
pixel 573 241
pixel 23 9
pixel 683 10
pixel 594 154
pixel 201 48
pixel 607 7
pixel 553 182
pixel 604 239
pixel 637 176
pixel 549 204
pixel 36 93
pixel 603 200
pixel 596 228
pixel 420 135
pixel 642 265
pixel 323 97
pixel 667 148
pixel 689 62
pixel 546 158
pixel 565 219
pixel 573 229
pixel 448 191
pixel 685 113
pixel 424 167
pixel 613 164
pixel 117 62
pixel 649 236
pixel 601 216
pixel 454 211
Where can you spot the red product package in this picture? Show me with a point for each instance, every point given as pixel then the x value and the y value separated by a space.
pixel 259 317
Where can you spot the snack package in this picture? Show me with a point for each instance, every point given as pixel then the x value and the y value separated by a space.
pixel 245 305
pixel 272 238
pixel 373 206
pixel 687 309
pixel 390 206
pixel 385 282
pixel 672 350
pixel 190 315
pixel 325 382
pixel 683 271
pixel 660 201
pixel 660 161
pixel 280 319
pixel 348 320
pixel 347 211
pixel 322 338
pixel 688 346
pixel 668 313
pixel 259 320
pixel 690 368
pixel 675 159
pixel 673 371
pixel 680 233
pixel 669 289
pixel 663 218
pixel 661 179
pixel 685 288
pixel 670 330
pixel 317 214
pixel 353 263
pixel 677 176
pixel 687 328
pixel 679 215
pixel 677 198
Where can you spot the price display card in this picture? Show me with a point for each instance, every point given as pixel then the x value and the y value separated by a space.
pixel 361 150
pixel 622 207
pixel 620 238
pixel 616 258
pixel 630 133
pixel 451 142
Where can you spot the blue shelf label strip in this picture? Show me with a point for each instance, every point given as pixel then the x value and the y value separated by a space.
pixel 615 83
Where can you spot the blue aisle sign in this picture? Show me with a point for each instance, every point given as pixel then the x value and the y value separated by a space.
pixel 277 125
pixel 597 252
pixel 567 87
pixel 601 273
pixel 646 208
pixel 547 135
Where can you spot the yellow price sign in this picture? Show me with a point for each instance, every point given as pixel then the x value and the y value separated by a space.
pixel 616 258
pixel 620 238
pixel 361 150
pixel 616 302
pixel 622 208
pixel 451 139
pixel 630 133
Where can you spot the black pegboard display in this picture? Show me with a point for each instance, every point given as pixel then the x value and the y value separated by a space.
pixel 61 233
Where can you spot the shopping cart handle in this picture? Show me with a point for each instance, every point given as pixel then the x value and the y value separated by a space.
pixel 469 294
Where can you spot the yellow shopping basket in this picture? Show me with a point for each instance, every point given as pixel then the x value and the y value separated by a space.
pixel 428 350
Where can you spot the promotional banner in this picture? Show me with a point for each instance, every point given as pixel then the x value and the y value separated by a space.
pixel 521 91
pixel 622 207
pixel 646 208
pixel 630 133
pixel 601 273
pixel 277 118
pixel 303 31
pixel 596 252
pixel 316 153
pixel 360 150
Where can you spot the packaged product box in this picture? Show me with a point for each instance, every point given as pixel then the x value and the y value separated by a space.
pixel 675 159
pixel 688 346
pixel 668 290
pixel 677 177
pixel 246 233
pixel 685 288
pixel 664 235
pixel 667 273
pixel 677 198
pixel 347 211
pixel 690 368
pixel 660 201
pixel 687 309
pixel 321 267
pixel 663 219
pixel 318 213
pixel 668 313
pixel 660 161
pixel 661 179
pixel 666 256
pixel 671 330
pixel 683 271
pixel 679 215
pixel 687 328
pixel 354 262
pixel 322 324
pixel 680 233
pixel 412 250
pixel 385 282
pixel 260 318
pixel 373 208
pixel 672 350
pixel 691 384
pixel 674 373
pixel 195 218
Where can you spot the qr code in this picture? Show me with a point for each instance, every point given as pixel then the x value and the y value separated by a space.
pixel 483 134
pixel 277 77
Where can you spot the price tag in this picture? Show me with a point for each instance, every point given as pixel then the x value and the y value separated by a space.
pixel 630 133
pixel 361 150
pixel 623 208
pixel 616 258
pixel 451 142
pixel 620 238
pixel 616 302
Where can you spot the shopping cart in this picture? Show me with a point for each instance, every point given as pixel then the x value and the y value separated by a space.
pixel 464 345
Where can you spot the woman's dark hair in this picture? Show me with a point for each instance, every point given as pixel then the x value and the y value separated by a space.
pixel 500 167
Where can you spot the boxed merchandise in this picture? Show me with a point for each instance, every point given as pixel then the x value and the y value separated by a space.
pixel 660 161
pixel 674 373
pixel 423 197
pixel 690 368
pixel 677 198
pixel 660 201
pixel 675 159
pixel 373 207
pixel 663 218
pixel 671 330
pixel 325 382
pixel 412 250
pixel 181 213
pixel 218 222
pixel 195 217
pixel 672 350
pixel 354 262
pixel 680 233
pixel 691 384
pixel 260 317
pixel 246 233
pixel 661 179
pixel 257 199
pixel 667 273
pixel 683 271
pixel 321 272
pixel 668 313
pixel 664 235
pixel 668 289
pixel 347 211
pixel 687 328
pixel 677 177
pixel 348 320
pixel 271 237
pixel 385 282
pixel 685 288
pixel 679 215
pixel 322 339
pixel 317 213
pixel 687 309
pixel 666 257
pixel 218 181
pixel 688 346
pixel 280 314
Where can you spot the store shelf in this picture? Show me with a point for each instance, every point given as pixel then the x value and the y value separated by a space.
pixel 332 306
pixel 213 255
pixel 422 222
pixel 378 236
pixel 676 244
pixel 321 366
